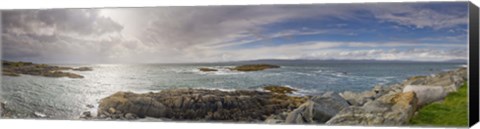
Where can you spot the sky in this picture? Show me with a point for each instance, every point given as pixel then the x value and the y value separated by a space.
pixel 188 34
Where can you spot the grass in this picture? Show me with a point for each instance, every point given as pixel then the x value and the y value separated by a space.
pixel 453 111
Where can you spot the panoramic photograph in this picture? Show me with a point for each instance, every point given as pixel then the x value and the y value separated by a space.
pixel 366 64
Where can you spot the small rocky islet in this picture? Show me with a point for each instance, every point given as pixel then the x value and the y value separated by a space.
pixel 15 69
pixel 254 67
pixel 207 69
pixel 244 68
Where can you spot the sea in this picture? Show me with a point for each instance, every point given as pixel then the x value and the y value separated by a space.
pixel 67 98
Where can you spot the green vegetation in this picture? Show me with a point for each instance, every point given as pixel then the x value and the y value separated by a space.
pixel 453 111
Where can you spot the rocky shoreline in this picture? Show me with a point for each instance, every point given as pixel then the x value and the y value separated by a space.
pixel 383 105
pixel 15 69
pixel 198 104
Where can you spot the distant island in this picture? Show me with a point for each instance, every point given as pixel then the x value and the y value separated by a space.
pixel 245 68
pixel 10 68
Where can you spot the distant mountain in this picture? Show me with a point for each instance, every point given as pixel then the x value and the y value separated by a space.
pixel 457 61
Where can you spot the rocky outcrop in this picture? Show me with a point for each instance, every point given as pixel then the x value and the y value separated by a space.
pixel 83 69
pixel 279 89
pixel 254 67
pixel 198 104
pixel 449 80
pixel 28 68
pixel 435 87
pixel 427 94
pixel 207 69
pixel 7 112
pixel 358 99
pixel 391 109
pixel 6 72
pixel 396 104
pixel 318 109
pixel 277 118
pixel 2 109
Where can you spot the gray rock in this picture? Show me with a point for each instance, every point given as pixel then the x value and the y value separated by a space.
pixel 390 109
pixel 427 94
pixel 277 118
pixel 453 78
pixel 359 99
pixel 317 110
pixel 90 106
pixel 2 109
pixel 356 99
pixel 86 115
pixel 130 116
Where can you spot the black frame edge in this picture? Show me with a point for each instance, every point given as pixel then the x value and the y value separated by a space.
pixel 473 63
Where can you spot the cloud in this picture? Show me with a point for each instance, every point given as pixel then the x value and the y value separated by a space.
pixel 61 34
pixel 415 54
pixel 340 50
pixel 420 16
pixel 220 24
pixel 210 33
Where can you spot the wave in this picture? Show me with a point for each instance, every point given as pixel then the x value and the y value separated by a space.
pixel 303 73
pixel 299 92
pixel 332 73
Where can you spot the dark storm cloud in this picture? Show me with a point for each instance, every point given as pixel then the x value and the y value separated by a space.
pixel 58 34
pixel 78 21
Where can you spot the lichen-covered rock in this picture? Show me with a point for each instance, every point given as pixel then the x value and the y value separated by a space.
pixel 199 104
pixel 390 109
pixel 279 89
pixel 128 102
pixel 318 109
pixel 359 99
pixel 449 80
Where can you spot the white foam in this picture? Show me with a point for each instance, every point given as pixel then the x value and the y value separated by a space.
pixel 306 74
